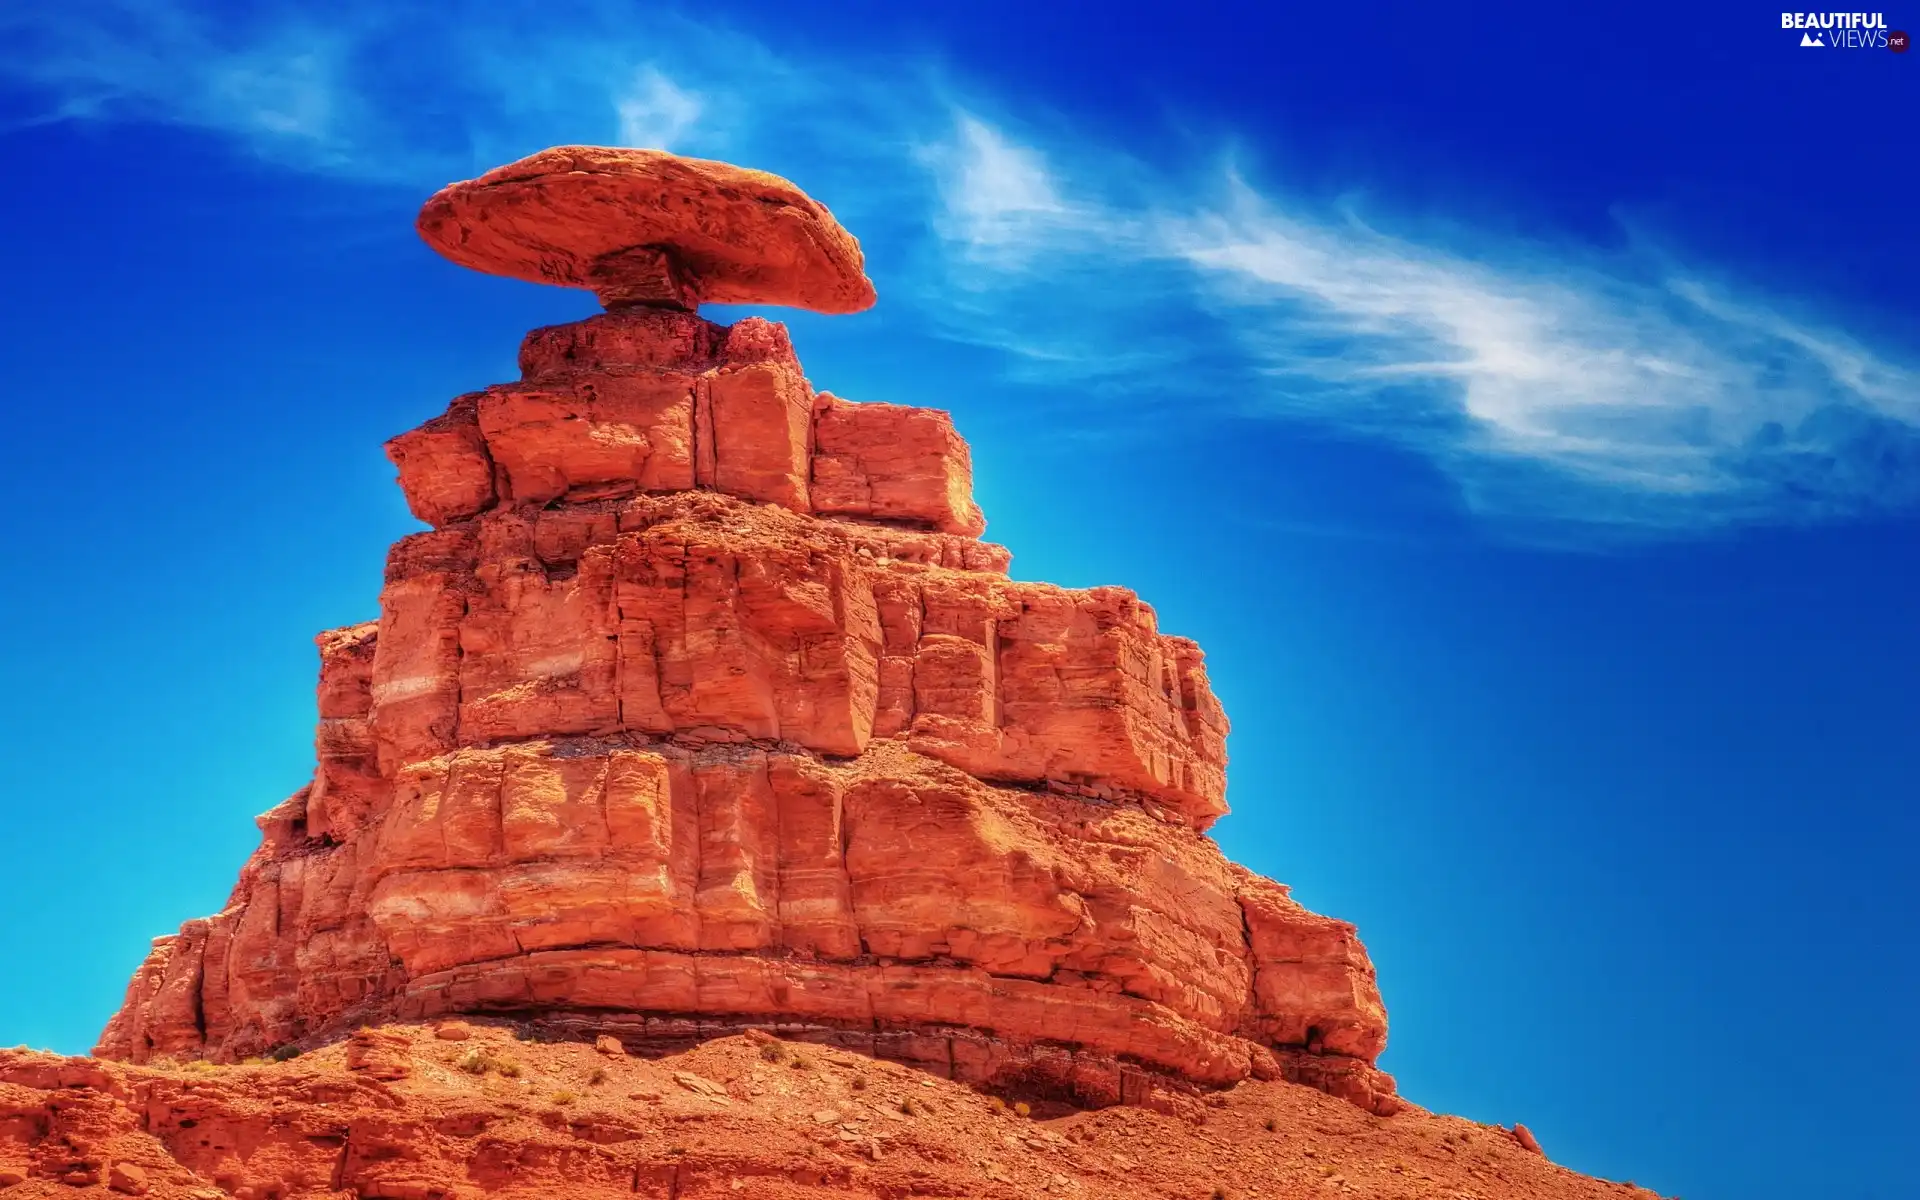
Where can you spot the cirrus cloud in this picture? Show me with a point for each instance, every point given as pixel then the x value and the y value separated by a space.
pixel 1563 383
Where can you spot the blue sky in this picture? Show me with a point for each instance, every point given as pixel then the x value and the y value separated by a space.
pixel 1520 407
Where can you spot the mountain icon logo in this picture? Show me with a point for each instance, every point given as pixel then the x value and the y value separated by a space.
pixel 1810 39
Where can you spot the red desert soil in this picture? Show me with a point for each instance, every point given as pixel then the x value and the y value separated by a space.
pixel 411 1113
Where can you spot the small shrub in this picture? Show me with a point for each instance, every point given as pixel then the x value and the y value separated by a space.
pixel 598 1077
pixel 774 1052
pixel 858 1083
pixel 284 1053
pixel 1271 1125
pixel 908 1107
pixel 478 1062
pixel 1022 1109
pixel 802 1063
pixel 997 1104
pixel 562 1098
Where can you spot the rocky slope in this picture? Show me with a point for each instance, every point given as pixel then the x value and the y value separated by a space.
pixel 403 1114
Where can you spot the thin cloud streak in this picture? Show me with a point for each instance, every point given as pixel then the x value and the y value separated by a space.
pixel 1552 388
pixel 1554 384
pixel 655 114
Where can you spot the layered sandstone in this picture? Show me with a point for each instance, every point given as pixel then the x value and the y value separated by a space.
pixel 648 227
pixel 701 707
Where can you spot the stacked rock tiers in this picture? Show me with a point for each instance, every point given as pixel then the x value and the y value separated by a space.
pixel 700 707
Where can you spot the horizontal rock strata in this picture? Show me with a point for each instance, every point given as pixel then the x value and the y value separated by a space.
pixel 701 707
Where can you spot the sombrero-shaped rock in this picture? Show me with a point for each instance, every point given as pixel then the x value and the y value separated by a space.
pixel 649 227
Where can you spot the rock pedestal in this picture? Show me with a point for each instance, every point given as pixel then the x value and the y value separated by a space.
pixel 701 707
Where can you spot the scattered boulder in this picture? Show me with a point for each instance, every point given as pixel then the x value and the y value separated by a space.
pixel 380 1054
pixel 1524 1136
pixel 127 1178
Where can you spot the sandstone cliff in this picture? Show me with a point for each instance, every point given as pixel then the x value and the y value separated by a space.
pixel 701 707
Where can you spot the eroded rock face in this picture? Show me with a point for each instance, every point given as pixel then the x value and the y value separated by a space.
pixel 649 401
pixel 649 227
pixel 702 706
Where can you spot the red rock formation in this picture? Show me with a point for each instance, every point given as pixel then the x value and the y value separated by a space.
pixel 397 1113
pixel 648 227
pixel 889 463
pixel 701 706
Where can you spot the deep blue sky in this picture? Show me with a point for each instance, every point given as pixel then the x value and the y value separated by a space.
pixel 1518 407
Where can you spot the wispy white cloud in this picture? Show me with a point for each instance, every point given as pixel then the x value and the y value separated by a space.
pixel 995 195
pixel 1553 382
pixel 277 86
pixel 653 112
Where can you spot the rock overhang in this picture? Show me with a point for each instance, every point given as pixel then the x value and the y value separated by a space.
pixel 649 228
